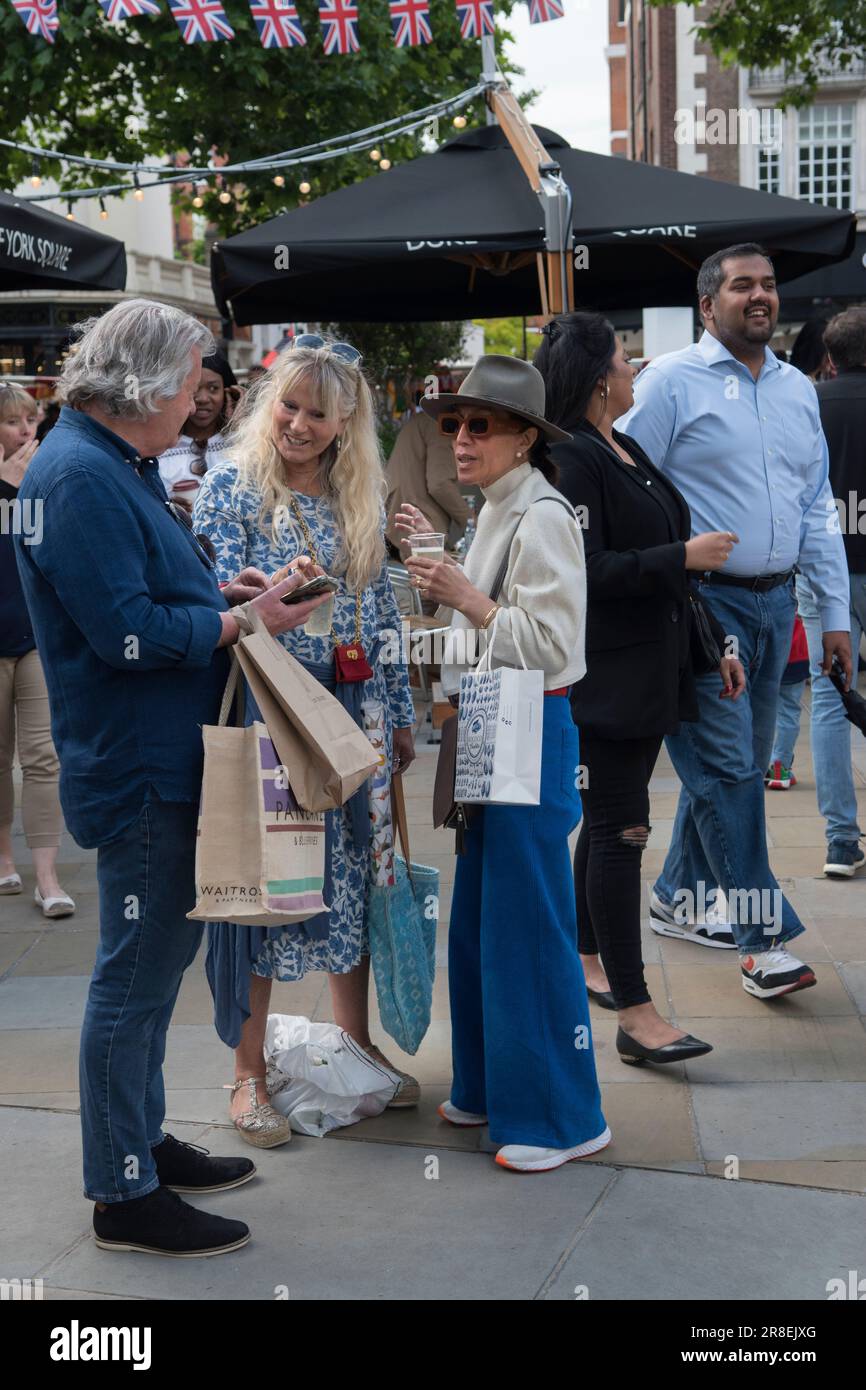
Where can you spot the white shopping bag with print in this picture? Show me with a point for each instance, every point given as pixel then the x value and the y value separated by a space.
pixel 499 734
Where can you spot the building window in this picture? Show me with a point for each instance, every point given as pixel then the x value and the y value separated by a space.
pixel 769 176
pixel 826 154
pixel 620 12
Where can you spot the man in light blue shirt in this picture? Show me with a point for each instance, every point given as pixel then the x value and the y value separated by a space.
pixel 739 433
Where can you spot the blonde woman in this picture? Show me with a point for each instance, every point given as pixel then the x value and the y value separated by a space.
pixel 25 721
pixel 304 478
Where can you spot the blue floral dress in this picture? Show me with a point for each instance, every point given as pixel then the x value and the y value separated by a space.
pixel 230 518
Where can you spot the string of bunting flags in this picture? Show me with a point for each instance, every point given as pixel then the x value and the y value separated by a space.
pixel 278 23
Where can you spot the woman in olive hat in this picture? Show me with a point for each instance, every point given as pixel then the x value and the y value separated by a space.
pixel 522 1049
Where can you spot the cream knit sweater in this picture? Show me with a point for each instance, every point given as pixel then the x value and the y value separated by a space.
pixel 543 598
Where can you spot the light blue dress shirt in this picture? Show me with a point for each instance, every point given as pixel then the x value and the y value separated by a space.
pixel 749 457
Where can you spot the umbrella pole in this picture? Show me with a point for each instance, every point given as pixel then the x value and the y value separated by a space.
pixel 556 273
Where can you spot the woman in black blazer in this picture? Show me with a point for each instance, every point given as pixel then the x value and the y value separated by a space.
pixel 639 683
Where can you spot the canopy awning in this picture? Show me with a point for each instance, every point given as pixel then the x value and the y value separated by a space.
pixel 456 235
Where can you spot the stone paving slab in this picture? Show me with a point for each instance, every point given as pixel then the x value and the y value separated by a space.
pixel 658 1235
pixel 782 1120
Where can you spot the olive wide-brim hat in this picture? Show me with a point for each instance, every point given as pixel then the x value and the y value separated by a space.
pixel 501 383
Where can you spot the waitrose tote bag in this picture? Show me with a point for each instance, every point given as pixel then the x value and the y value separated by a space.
pixel 260 858
pixel 499 734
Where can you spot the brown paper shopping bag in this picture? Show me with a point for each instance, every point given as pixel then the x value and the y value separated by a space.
pixel 260 859
pixel 326 754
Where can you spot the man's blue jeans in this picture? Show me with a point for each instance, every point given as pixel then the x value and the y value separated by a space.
pixel 719 835
pixel 830 729
pixel 146 883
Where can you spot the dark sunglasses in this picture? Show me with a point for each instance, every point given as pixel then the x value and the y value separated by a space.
pixel 476 424
pixel 344 350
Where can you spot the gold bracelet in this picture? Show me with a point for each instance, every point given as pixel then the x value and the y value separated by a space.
pixel 486 621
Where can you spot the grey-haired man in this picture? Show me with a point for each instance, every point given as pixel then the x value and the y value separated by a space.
pixel 132 628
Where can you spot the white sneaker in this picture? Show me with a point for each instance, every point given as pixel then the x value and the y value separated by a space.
pixel 523 1158
pixel 768 973
pixel 713 930
pixel 464 1118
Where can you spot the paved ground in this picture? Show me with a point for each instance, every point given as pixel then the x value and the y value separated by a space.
pixel 367 1214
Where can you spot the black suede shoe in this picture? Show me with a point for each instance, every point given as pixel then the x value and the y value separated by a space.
pixel 188 1168
pixel 164 1224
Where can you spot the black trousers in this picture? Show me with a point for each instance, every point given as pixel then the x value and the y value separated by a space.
pixel 606 865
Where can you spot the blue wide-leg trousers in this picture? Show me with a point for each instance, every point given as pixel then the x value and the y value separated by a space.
pixel 522 1044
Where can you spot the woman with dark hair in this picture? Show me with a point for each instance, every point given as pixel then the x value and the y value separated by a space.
pixel 521 1044
pixel 639 682
pixel 202 443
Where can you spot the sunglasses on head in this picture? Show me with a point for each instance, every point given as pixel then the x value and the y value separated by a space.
pixel 476 424
pixel 344 350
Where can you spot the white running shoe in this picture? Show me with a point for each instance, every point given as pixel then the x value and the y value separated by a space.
pixel 523 1158
pixel 714 930
pixel 768 973
pixel 463 1118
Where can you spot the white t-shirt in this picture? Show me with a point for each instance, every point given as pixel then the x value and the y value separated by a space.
pixel 175 465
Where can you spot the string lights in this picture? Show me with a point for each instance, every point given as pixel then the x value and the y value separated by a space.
pixel 144 176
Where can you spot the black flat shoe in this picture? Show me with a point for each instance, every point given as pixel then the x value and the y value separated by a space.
pixel 189 1168
pixel 602 997
pixel 635 1054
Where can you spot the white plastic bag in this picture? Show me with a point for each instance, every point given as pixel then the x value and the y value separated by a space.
pixel 320 1077
pixel 499 734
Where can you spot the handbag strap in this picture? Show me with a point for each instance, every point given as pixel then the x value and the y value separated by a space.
pixel 499 580
pixel 234 688
pixel 398 803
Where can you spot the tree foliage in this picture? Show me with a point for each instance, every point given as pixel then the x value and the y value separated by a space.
pixel 805 36
pixel 136 90
pixel 506 336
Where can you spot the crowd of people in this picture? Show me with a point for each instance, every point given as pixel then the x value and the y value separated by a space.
pixel 639 544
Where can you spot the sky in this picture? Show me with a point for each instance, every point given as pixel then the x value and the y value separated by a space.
pixel 564 61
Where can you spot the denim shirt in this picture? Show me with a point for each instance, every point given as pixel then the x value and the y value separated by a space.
pixel 125 607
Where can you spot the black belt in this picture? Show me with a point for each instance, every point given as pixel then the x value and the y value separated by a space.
pixel 760 585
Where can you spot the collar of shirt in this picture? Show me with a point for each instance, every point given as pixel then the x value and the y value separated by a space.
pixel 85 424
pixel 713 350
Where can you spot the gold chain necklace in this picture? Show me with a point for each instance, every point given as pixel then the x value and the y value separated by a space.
pixel 308 541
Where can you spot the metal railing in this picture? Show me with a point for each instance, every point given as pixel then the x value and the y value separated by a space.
pixel 764 79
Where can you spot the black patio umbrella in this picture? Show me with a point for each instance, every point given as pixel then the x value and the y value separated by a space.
pixel 40 250
pixel 454 235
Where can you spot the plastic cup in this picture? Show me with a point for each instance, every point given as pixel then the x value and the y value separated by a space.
pixel 319 622
pixel 429 547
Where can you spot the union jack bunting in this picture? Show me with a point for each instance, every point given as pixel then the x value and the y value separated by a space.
pixel 40 17
pixel 278 23
pixel 339 26
pixel 201 21
pixel 116 10
pixel 476 18
pixel 540 11
pixel 410 22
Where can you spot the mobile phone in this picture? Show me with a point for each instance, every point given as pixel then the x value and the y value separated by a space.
pixel 322 584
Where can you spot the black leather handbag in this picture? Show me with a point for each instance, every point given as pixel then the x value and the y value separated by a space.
pixel 704 648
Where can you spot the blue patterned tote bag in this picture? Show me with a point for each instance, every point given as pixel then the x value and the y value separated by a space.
pixel 402 924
